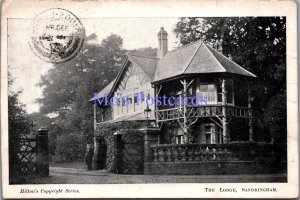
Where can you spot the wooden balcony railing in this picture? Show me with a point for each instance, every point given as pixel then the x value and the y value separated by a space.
pixel 236 111
pixel 201 111
pixel 210 152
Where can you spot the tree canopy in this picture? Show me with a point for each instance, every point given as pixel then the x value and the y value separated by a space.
pixel 256 43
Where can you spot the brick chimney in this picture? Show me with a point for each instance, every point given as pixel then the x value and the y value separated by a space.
pixel 162 43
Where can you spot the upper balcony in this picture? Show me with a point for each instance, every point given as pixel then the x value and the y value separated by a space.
pixel 202 111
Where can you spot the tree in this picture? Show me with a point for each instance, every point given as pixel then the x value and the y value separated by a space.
pixel 151 52
pixel 275 116
pixel 93 68
pixel 19 125
pixel 68 87
pixel 256 43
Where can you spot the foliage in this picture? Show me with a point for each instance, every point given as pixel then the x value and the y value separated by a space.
pixel 19 124
pixel 69 147
pixel 68 87
pixel 93 68
pixel 256 43
pixel 107 131
pixel 276 117
pixel 151 52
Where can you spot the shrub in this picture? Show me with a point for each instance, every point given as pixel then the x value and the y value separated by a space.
pixel 69 147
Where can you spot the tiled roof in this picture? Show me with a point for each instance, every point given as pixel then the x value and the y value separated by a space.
pixel 195 58
pixel 106 89
pixel 229 65
pixel 175 62
pixel 148 64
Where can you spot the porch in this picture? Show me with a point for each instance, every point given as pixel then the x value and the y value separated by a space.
pixel 218 99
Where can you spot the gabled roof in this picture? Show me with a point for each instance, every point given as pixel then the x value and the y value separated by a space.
pixel 105 90
pixel 195 58
pixel 142 62
pixel 147 64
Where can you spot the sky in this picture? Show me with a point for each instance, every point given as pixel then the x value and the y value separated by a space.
pixel 26 68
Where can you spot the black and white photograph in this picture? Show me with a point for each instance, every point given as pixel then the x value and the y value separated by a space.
pixel 112 101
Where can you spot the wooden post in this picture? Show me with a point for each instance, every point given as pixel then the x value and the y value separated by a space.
pixel 224 119
pixel 185 125
pixel 95 117
pixel 42 157
pixel 155 104
pixel 250 115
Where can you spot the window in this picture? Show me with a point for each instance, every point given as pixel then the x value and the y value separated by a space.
pixel 119 109
pixel 208 133
pixel 179 139
pixel 208 92
pixel 207 138
pixel 130 104
pixel 213 134
pixel 229 92
pixel 219 93
pixel 124 107
pixel 219 138
pixel 132 87
pixel 134 92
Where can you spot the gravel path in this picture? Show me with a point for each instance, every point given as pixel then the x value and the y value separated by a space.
pixel 59 175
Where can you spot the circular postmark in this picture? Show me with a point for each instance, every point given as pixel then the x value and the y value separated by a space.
pixel 57 35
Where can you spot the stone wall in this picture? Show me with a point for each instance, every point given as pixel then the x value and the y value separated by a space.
pixel 233 158
pixel 209 168
pixel 130 151
pixel 124 147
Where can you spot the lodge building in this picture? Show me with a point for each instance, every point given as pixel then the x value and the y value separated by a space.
pixel 188 138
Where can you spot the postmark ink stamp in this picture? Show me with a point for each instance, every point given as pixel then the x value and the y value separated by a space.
pixel 57 35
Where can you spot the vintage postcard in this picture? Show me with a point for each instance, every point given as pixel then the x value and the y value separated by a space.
pixel 128 99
